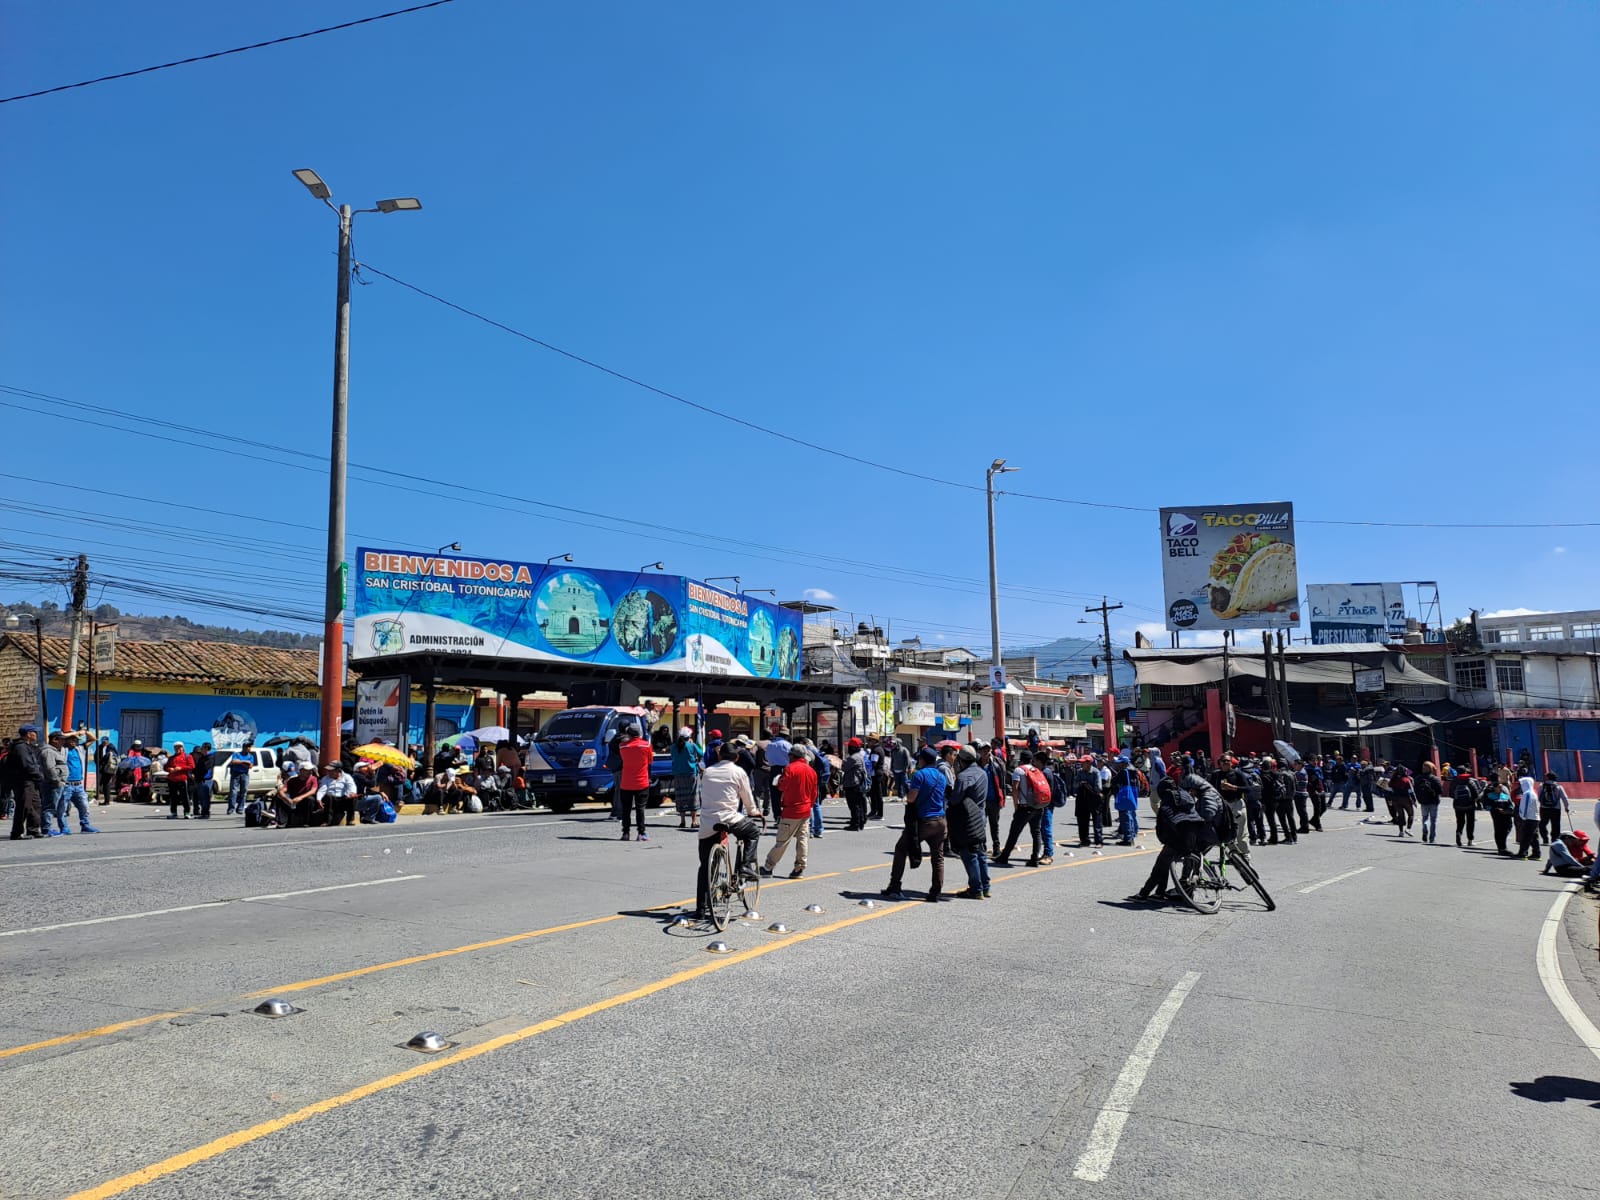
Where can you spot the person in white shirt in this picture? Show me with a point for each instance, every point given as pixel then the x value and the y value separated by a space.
pixel 337 793
pixel 726 802
pixel 1528 817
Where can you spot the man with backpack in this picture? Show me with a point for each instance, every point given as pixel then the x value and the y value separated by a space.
pixel 1032 795
pixel 1125 799
pixel 1464 794
pixel 1552 799
pixel 1086 805
pixel 1190 819
pixel 1277 802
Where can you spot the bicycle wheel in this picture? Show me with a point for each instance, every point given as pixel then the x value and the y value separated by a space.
pixel 1199 887
pixel 1248 874
pixel 720 888
pixel 750 893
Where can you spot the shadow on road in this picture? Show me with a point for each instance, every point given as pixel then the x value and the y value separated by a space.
pixel 1555 1089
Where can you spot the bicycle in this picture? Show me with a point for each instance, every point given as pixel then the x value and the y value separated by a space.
pixel 724 882
pixel 1202 878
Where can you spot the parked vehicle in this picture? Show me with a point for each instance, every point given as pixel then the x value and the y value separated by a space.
pixel 567 758
pixel 263 775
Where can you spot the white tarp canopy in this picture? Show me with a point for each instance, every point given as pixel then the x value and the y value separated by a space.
pixel 1305 664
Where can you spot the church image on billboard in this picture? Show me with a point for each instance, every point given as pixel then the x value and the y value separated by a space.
pixel 574 613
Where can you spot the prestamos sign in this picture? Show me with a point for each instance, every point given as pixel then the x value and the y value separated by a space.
pixel 1230 567
pixel 449 604
pixel 1342 614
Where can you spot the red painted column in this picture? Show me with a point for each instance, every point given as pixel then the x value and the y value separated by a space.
pixel 1474 757
pixel 1214 722
pixel 1108 715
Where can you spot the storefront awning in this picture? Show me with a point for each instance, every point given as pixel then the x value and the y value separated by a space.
pixel 1185 668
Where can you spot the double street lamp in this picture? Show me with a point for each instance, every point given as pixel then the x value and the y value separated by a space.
pixel 333 604
pixel 997 673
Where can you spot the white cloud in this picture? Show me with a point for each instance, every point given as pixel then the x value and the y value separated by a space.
pixel 1515 612
pixel 1559 550
pixel 818 595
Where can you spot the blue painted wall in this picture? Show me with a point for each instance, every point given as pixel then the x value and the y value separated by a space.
pixel 195 718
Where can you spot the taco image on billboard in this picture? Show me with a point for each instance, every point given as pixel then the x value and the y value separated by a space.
pixel 1254 572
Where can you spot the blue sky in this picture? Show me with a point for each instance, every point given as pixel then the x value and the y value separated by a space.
pixel 1158 254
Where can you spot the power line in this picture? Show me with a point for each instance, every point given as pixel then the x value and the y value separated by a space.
pixel 184 62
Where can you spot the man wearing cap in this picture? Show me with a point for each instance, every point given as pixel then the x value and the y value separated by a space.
pixel 179 767
pixel 54 755
pixel 337 793
pixel 73 794
pixel 966 810
pixel 798 788
pixel 777 763
pixel 25 778
pixel 855 783
pixel 994 770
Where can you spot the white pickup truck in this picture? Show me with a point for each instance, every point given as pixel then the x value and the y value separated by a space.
pixel 263 773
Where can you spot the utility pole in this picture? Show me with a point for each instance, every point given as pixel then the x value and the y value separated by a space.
pixel 1227 695
pixel 334 596
pixel 38 652
pixel 1283 684
pixel 80 594
pixel 1105 610
pixel 997 671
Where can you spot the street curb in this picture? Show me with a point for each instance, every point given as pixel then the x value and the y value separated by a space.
pixel 1581 925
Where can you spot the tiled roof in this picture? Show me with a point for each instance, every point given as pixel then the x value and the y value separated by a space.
pixel 184 662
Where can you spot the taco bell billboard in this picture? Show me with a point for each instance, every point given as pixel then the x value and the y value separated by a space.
pixel 1229 567
pixel 408 603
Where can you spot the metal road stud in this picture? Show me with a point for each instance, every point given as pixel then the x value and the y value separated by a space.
pixel 751 915
pixel 680 919
pixel 273 1009
pixel 429 1042
pixel 719 948
pixel 866 904
pixel 813 908
pixel 777 927
pixel 1096 853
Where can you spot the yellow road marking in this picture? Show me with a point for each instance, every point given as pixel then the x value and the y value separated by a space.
pixel 102 1031
pixel 300 986
pixel 232 1141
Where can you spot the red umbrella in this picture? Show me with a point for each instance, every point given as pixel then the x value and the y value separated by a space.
pixel 947 744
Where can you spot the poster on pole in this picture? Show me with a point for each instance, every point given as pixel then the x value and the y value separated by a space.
pixel 407 603
pixel 1342 614
pixel 383 710
pixel 105 649
pixel 1230 567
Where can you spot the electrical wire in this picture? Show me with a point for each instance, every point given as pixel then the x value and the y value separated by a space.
pixel 198 58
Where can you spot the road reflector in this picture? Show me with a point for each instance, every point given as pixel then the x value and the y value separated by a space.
pixel 719 948
pixel 273 1009
pixel 777 927
pixel 813 908
pixel 428 1042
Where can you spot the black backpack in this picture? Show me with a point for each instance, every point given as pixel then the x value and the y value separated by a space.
pixel 1464 795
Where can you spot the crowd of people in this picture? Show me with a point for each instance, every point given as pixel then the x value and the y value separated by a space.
pixel 955 795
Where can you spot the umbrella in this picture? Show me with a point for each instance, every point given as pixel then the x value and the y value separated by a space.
pixel 463 741
pixel 282 739
pixel 1287 752
pixel 380 753
pixel 135 760
pixel 947 744
pixel 491 733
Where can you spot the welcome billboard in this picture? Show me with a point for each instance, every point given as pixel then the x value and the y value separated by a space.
pixel 408 603
pixel 1230 566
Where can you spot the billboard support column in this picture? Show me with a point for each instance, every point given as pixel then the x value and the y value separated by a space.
pixel 429 713
pixel 1108 716
pixel 1215 722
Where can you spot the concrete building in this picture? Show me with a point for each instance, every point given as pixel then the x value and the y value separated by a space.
pixel 1538 678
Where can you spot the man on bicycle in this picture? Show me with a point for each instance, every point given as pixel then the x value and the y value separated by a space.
pixel 726 802
pixel 1191 819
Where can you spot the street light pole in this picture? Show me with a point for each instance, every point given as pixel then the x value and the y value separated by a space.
pixel 339 445
pixel 997 668
pixel 332 706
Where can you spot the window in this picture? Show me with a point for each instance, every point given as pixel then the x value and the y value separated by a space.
pixel 1589 629
pixel 1471 674
pixel 1165 696
pixel 1508 676
pixel 1552 735
pixel 1545 633
pixel 1027 710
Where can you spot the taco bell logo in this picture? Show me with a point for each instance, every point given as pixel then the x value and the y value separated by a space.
pixel 1181 525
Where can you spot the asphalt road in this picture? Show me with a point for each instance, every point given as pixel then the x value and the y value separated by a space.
pixel 1383 1034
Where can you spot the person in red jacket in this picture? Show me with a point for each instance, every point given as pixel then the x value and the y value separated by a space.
pixel 798 786
pixel 634 782
pixel 179 767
